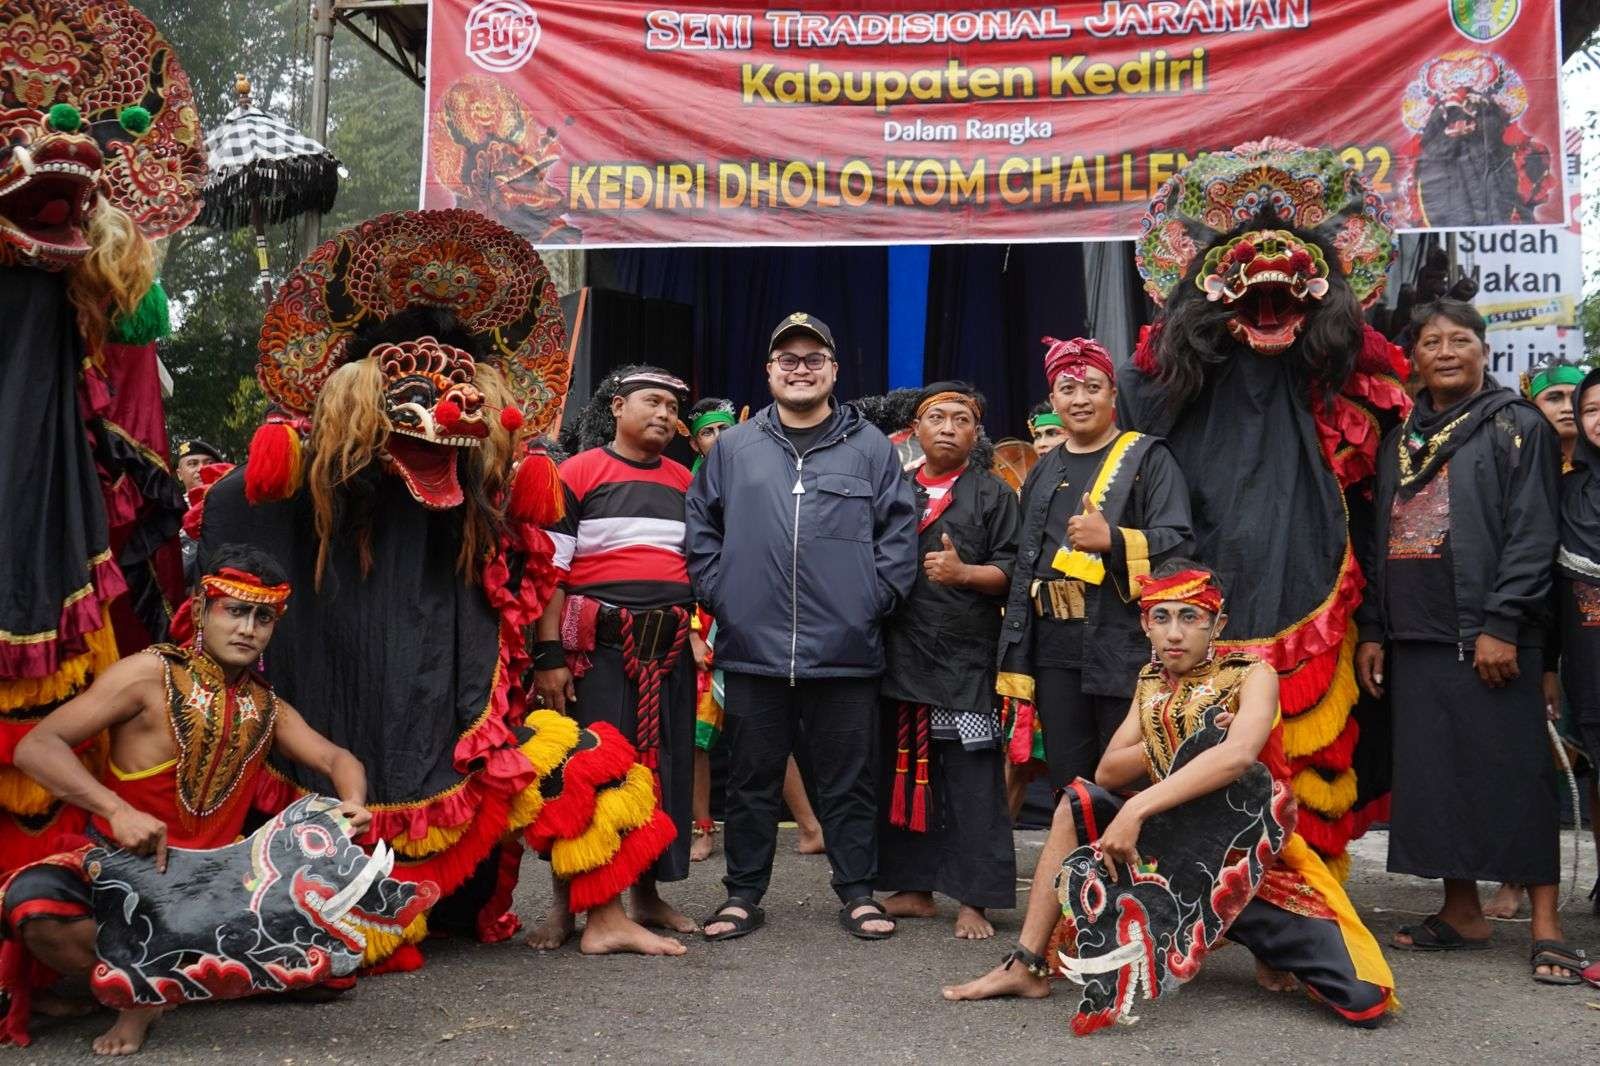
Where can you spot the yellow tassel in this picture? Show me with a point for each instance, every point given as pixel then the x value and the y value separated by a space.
pixel 1338 866
pixel 22 795
pixel 381 943
pixel 434 841
pixel 1017 686
pixel 1331 798
pixel 99 654
pixel 554 737
pixel 525 807
pixel 1315 729
pixel 617 810
pixel 1085 566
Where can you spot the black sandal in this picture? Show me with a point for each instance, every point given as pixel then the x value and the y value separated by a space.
pixel 1436 934
pixel 727 914
pixel 1553 953
pixel 856 925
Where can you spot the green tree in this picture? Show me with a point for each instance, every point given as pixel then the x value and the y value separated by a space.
pixel 375 129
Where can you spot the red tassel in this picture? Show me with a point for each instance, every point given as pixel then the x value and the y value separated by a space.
pixel 919 793
pixel 446 413
pixel 640 848
pixel 1021 749
pixel 1144 353
pixel 405 959
pixel 273 470
pixel 510 419
pixel 902 769
pixel 536 493
pixel 1379 355
pixel 15 976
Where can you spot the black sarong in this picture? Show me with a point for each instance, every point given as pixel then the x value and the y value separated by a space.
pixel 1474 779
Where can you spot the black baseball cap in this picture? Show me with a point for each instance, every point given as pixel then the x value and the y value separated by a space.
pixel 805 323
pixel 196 446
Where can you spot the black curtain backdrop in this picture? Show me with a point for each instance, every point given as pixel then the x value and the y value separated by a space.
pixel 739 294
pixel 988 305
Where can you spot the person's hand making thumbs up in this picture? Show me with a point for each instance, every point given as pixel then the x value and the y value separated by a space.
pixel 945 567
pixel 1089 531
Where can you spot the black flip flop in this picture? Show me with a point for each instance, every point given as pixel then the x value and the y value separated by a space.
pixel 754 918
pixel 1555 953
pixel 856 925
pixel 1436 934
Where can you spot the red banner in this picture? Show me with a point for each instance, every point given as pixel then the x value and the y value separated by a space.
pixel 601 122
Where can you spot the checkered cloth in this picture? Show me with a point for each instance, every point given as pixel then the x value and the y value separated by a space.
pixel 975 729
pixel 256 157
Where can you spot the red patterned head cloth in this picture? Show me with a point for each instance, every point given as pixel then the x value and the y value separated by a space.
pixel 1194 587
pixel 1075 358
pixel 231 582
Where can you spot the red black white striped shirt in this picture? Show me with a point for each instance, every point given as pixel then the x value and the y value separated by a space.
pixel 622 539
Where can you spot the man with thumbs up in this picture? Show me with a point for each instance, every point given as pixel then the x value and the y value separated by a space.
pixel 1097 514
pixel 944 826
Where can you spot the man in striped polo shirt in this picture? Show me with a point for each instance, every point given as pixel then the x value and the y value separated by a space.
pixel 613 644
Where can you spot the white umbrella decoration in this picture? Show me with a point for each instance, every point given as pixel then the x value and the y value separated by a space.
pixel 262 171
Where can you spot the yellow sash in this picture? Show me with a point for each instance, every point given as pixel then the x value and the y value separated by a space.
pixel 1088 566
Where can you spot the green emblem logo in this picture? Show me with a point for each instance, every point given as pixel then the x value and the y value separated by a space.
pixel 1484 20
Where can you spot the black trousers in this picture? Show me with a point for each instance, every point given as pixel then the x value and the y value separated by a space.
pixel 606 695
pixel 1077 725
pixel 837 719
pixel 967 852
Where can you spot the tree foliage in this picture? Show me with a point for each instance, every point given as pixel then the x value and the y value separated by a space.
pixel 375 129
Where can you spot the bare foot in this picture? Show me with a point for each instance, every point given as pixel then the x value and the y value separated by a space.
pixel 971 924
pixel 911 905
pixel 554 931
pixel 1505 903
pixel 653 912
pixel 810 842
pixel 127 1034
pixel 609 931
pixel 1016 981
pixel 1274 980
pixel 701 847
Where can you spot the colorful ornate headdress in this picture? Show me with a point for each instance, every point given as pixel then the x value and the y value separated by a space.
pixel 92 103
pixel 1456 76
pixel 1308 189
pixel 231 582
pixel 481 272
pixel 1195 587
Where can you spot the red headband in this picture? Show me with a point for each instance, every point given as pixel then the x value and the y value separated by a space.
pixel 1186 586
pixel 1074 358
pixel 245 586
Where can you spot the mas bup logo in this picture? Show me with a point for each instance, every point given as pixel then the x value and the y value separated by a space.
pixel 501 34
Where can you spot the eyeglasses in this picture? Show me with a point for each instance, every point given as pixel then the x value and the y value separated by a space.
pixel 789 362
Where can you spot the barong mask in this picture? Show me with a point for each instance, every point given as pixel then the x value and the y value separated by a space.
pixel 1257 231
pixel 433 409
pixel 1454 94
pixel 288 907
pixel 94 111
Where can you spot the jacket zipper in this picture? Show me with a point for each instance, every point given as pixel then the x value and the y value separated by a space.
pixel 794 548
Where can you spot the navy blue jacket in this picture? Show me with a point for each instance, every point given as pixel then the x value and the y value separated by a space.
pixel 801 558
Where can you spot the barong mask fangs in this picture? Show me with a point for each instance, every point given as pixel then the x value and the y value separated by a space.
pixel 1259 229
pixel 433 409
pixel 1268 275
pixel 93 108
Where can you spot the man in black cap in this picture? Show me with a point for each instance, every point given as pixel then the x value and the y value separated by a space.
pixel 612 645
pixel 802 540
pixel 191 455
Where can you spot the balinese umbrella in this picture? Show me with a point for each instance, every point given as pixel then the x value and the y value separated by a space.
pixel 263 171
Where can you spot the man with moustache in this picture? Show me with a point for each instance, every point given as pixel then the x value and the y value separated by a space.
pixel 621 618
pixel 801 541
pixel 1097 513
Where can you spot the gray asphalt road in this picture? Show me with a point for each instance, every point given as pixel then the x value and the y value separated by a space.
pixel 800 990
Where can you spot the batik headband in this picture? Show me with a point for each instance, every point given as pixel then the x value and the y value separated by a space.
pixel 950 397
pixel 716 416
pixel 1043 419
pixel 1075 358
pixel 1193 587
pixel 652 379
pixel 1535 382
pixel 242 585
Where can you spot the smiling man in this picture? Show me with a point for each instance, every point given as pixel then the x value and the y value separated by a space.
pixel 189 730
pixel 1098 512
pixel 802 540
pixel 621 616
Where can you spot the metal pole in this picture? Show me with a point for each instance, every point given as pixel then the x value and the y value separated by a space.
pixel 258 224
pixel 321 49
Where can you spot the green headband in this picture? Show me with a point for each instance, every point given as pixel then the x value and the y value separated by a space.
pixel 1048 418
pixel 711 418
pixel 1554 375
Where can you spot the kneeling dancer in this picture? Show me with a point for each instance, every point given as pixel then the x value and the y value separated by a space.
pixel 1227 860
pixel 948 828
pixel 189 731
